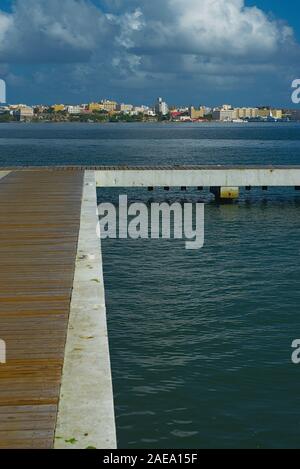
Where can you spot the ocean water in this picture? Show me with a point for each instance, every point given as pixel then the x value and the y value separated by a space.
pixel 200 341
pixel 144 144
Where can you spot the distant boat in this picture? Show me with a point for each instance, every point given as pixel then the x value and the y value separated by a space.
pixel 239 121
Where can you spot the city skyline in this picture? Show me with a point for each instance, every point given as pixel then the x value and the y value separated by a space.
pixel 108 110
pixel 152 103
pixel 234 51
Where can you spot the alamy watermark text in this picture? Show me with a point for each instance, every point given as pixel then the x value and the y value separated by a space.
pixel 296 92
pixel 155 221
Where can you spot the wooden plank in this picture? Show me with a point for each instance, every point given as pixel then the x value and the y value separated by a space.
pixel 39 226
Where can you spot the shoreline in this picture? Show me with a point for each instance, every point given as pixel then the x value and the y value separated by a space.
pixel 33 122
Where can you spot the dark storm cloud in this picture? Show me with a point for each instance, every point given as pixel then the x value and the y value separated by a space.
pixel 136 43
pixel 52 31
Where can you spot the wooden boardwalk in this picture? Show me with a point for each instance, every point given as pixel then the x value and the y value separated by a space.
pixel 39 226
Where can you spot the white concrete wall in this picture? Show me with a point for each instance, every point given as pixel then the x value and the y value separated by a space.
pixel 3 174
pixel 86 410
pixel 199 177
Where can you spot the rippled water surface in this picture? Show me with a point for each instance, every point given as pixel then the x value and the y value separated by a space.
pixel 36 144
pixel 200 340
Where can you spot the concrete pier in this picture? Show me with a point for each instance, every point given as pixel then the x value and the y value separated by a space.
pixel 195 176
pixel 56 383
pixel 185 176
pixel 86 410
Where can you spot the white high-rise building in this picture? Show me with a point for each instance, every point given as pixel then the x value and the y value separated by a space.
pixel 161 107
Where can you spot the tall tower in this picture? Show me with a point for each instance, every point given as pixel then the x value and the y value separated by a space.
pixel 161 107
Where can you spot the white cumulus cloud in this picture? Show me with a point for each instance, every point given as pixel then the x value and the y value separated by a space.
pixel 137 42
pixel 51 31
pixel 212 28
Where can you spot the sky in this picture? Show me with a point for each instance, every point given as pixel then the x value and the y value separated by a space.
pixel 241 52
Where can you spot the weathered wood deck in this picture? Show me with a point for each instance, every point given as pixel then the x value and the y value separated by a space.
pixel 39 226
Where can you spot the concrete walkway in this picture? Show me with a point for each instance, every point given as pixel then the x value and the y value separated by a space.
pixel 86 411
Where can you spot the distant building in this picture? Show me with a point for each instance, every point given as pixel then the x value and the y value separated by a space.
pixel 266 112
pixel 24 113
pixel 94 107
pixel 277 113
pixel 40 109
pixel 15 107
pixel 58 107
pixel 225 113
pixel 126 108
pixel 108 106
pixel 4 109
pixel 227 107
pixel 197 113
pixel 74 110
pixel 182 109
pixel 228 113
pixel 246 112
pixel 161 107
pixel 138 110
pixel 150 112
pixel 175 114
pixel 263 112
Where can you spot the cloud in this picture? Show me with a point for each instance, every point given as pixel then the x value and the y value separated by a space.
pixel 211 28
pixel 211 42
pixel 52 31
pixel 218 28
pixel 6 25
pixel 138 43
pixel 72 30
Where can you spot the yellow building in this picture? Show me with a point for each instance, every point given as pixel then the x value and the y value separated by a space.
pixel 267 112
pixel 94 107
pixel 277 113
pixel 24 113
pixel 58 107
pixel 263 112
pixel 197 113
pixel 108 106
pixel 246 112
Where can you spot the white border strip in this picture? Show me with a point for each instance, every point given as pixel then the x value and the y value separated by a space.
pixel 222 177
pixel 4 173
pixel 86 410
